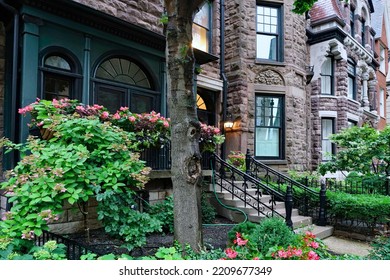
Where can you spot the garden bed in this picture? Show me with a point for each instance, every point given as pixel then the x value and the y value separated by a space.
pixel 214 236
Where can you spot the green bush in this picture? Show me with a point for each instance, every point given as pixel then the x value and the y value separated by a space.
pixel 381 248
pixel 371 209
pixel 163 212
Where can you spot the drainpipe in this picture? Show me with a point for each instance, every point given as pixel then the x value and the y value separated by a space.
pixel 222 72
pixel 15 60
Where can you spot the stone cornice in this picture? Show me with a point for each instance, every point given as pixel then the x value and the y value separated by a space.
pixel 324 35
pixel 99 20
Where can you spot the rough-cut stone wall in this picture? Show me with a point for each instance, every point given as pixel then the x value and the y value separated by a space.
pixel 146 14
pixel 247 77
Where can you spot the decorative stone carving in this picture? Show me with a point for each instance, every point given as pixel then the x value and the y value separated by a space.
pixel 269 77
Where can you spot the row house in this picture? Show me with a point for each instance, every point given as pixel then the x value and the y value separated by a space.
pixel 286 81
pixel 349 53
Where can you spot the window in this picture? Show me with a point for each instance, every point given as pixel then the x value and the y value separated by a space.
pixel 269 32
pixel 201 31
pixel 382 62
pixel 120 81
pixel 352 123
pixel 382 103
pixel 363 33
pixel 351 69
pixel 352 22
pixel 327 76
pixel 328 148
pixel 59 77
pixel 269 127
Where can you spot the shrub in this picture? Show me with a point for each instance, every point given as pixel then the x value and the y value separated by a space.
pixel 380 248
pixel 163 212
pixel 237 159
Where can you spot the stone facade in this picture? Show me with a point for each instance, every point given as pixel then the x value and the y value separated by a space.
pixel 146 14
pixel 331 38
pixel 249 76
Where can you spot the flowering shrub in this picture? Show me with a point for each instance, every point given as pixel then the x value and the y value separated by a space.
pixel 308 248
pixel 86 158
pixel 151 129
pixel 210 137
pixel 237 159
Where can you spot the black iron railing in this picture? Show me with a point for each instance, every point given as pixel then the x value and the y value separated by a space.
pixel 352 186
pixel 309 202
pixel 159 158
pixel 74 250
pixel 236 182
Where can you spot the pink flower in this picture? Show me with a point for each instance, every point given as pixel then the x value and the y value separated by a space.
pixel 256 258
pixel 314 245
pixel 166 124
pixel 116 116
pixel 241 242
pixel 216 130
pixel 297 252
pixel 132 118
pixel 230 253
pixel 105 115
pixel 123 108
pixel 282 254
pixel 313 256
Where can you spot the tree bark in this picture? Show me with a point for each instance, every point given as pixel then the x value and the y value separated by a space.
pixel 185 129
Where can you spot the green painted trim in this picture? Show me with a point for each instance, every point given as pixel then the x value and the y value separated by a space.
pixel 86 70
pixel 29 72
pixel 89 31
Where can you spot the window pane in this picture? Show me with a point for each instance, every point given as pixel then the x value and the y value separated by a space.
pixel 110 98
pixel 203 16
pixel 199 38
pixel 57 87
pixel 266 46
pixel 141 103
pixel 351 87
pixel 326 131
pixel 57 62
pixel 267 142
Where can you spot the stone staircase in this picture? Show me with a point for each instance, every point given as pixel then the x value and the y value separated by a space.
pixel 233 207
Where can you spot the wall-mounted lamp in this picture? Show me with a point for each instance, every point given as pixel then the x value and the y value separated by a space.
pixel 229 122
pixel 309 73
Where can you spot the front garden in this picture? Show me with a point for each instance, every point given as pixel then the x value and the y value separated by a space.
pixel 83 152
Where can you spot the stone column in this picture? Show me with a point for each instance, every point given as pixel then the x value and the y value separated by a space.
pixel 365 102
pixel 372 93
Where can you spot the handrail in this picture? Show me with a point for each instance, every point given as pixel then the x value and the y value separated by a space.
pixel 277 173
pixel 248 199
pixel 308 201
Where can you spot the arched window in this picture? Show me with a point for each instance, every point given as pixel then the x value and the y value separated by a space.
pixel 122 82
pixel 60 78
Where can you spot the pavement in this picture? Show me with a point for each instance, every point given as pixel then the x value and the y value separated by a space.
pixel 342 245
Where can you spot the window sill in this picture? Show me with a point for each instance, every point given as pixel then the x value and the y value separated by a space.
pixel 273 161
pixel 269 62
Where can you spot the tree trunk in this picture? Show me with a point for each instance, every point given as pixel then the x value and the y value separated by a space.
pixel 185 128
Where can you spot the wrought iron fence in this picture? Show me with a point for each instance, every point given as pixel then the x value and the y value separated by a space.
pixel 74 250
pixel 159 158
pixel 352 186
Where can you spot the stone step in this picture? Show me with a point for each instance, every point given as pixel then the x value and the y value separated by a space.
pixel 320 232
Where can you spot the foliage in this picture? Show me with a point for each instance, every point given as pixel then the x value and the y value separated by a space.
pixel 210 137
pixel 208 210
pixel 362 149
pixel 51 250
pixel 121 219
pixel 262 237
pixel 237 159
pixel 380 248
pixel 151 129
pixel 371 209
pixel 302 6
pixel 163 211
pixel 86 157
pixel 307 247
pixel 301 177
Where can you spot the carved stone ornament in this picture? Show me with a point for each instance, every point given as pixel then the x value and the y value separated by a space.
pixel 269 77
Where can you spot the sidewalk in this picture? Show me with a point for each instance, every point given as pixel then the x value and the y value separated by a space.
pixel 340 245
